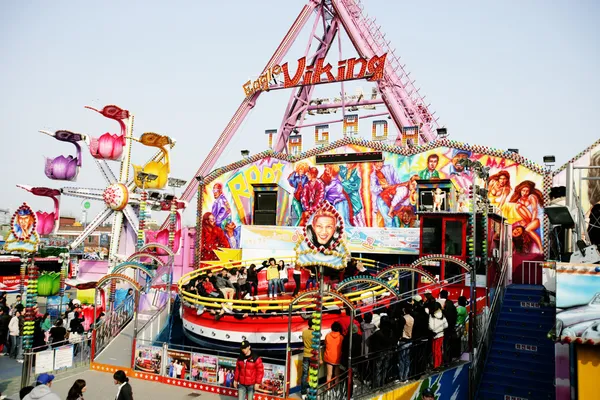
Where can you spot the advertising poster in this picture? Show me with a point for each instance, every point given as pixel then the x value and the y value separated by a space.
pixel 63 357
pixel 148 358
pixel 358 239
pixel 178 364
pixel 44 361
pixel 204 368
pixel 273 380
pixel 10 284
pixel 226 371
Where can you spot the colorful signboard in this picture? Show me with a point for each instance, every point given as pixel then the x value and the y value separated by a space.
pixel 578 303
pixel 178 364
pixel 148 358
pixel 273 379
pixel 372 69
pixel 23 237
pixel 204 368
pixel 372 194
pixel 226 371
pixel 358 240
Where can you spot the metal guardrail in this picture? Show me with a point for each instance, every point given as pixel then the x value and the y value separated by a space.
pixel 81 351
pixel 155 324
pixel 484 341
pixel 113 323
pixel 532 268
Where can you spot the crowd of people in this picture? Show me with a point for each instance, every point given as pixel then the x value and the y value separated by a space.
pixel 67 329
pixel 242 283
pixel 408 338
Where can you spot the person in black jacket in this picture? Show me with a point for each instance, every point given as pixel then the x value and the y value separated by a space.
pixel 378 342
pixel 4 321
pixel 421 335
pixel 124 392
pixel 450 335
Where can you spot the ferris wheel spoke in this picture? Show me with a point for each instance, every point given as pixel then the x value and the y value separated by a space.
pixel 131 217
pixel 84 193
pixel 107 173
pixel 115 236
pixel 96 222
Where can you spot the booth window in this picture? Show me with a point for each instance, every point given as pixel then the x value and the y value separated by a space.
pixel 432 236
pixel 265 207
pixel 453 240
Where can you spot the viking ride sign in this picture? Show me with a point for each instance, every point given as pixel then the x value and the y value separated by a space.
pixel 372 69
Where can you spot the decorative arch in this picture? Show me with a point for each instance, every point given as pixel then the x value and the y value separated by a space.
pixel 441 257
pixel 109 277
pixel 367 279
pixel 137 255
pixel 408 268
pixel 164 248
pixel 132 264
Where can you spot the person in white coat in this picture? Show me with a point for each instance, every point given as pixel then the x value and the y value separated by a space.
pixel 437 324
pixel 15 331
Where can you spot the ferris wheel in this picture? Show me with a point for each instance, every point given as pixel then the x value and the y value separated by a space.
pixel 122 191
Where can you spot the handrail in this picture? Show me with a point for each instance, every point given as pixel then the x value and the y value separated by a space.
pixel 154 316
pixel 484 342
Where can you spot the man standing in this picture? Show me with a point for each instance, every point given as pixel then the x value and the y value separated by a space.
pixel 307 336
pixel 15 328
pixel 42 389
pixel 249 372
pixel 4 321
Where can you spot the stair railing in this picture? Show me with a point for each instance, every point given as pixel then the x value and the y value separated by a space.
pixel 483 345
pixel 113 323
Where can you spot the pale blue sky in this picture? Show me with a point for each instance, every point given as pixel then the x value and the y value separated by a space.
pixel 508 74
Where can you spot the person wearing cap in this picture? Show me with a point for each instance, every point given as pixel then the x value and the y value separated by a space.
pixel 427 394
pixel 42 390
pixel 249 372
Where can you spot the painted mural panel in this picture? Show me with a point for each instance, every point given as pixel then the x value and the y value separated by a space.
pixel 370 194
pixel 578 303
pixel 448 385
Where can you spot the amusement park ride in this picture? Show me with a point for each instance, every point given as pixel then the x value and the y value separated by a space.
pixel 472 203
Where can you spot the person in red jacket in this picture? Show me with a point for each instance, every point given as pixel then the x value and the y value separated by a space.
pixel 249 372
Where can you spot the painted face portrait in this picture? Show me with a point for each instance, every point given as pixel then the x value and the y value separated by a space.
pixel 432 162
pixel 324 227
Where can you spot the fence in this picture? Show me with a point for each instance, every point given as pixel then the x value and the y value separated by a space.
pixel 372 372
pixel 113 323
pixel 154 325
pixel 205 366
pixel 484 339
pixel 531 272
pixel 58 358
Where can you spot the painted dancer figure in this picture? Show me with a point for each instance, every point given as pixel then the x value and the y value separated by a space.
pixel 213 237
pixel 382 178
pixel 298 180
pixel 220 209
pixel 335 193
pixel 312 194
pixel 351 181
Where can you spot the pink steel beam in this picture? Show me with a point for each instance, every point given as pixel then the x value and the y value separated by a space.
pixel 398 94
pixel 247 104
pixel 300 101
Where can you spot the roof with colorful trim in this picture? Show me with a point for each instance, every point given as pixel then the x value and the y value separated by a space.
pixel 380 146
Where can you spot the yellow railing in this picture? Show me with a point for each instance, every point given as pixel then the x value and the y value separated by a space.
pixel 267 304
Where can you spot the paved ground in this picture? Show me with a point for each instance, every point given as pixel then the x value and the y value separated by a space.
pixel 118 351
pixel 100 386
pixel 10 375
